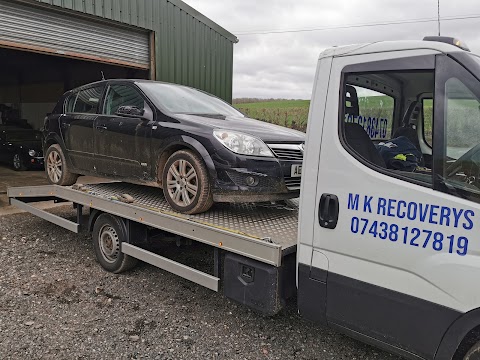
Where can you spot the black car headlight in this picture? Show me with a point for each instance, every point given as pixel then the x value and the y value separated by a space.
pixel 241 143
pixel 32 153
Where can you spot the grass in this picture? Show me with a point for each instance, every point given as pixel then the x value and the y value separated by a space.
pixel 277 104
pixel 294 113
pixel 289 113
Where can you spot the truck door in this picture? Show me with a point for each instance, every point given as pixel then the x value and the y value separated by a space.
pixel 394 241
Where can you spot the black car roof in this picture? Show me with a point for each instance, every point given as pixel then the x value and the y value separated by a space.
pixel 133 81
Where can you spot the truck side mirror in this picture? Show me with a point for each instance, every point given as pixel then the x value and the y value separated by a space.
pixel 130 111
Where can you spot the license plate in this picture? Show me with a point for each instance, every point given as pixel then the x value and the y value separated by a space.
pixel 296 171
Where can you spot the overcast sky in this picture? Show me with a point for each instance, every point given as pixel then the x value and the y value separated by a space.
pixel 283 65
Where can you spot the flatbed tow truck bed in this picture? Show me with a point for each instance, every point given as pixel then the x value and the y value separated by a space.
pixel 262 232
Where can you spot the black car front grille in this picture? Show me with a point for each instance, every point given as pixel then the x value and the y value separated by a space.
pixel 291 152
pixel 292 183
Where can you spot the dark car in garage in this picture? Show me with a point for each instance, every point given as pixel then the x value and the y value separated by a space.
pixel 196 147
pixel 21 148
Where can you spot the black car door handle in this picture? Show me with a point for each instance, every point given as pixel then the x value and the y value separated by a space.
pixel 65 125
pixel 328 211
pixel 100 127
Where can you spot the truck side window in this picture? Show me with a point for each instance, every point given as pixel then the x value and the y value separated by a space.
pixel 375 113
pixel 462 136
pixel 380 121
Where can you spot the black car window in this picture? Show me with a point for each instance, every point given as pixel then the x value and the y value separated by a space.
pixel 122 95
pixel 87 100
pixel 70 102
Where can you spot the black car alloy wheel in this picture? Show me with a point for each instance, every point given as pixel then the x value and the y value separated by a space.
pixel 186 184
pixel 56 167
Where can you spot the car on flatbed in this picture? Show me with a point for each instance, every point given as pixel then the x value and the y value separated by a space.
pixel 196 147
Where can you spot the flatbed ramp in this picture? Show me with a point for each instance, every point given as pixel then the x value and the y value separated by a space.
pixel 264 232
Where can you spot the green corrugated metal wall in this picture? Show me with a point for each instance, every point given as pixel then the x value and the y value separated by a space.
pixel 190 49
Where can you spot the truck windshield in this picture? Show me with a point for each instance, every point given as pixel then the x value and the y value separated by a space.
pixel 185 100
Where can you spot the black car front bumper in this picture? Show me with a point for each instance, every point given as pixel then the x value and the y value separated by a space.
pixel 35 162
pixel 256 180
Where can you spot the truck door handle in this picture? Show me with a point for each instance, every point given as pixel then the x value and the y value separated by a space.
pixel 328 211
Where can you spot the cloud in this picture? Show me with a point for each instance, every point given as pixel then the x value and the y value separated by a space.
pixel 283 65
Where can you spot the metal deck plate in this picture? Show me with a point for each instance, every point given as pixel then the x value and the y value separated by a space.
pixel 269 222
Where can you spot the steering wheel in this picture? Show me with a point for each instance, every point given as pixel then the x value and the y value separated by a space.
pixel 461 161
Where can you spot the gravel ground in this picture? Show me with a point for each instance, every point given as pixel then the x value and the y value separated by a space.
pixel 56 302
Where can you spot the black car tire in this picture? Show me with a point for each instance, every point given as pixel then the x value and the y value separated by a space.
pixel 18 162
pixel 473 353
pixel 56 167
pixel 108 234
pixel 186 184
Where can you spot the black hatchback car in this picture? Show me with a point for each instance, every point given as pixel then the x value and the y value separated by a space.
pixel 196 147
pixel 21 148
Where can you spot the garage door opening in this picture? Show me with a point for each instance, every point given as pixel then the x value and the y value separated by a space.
pixel 31 83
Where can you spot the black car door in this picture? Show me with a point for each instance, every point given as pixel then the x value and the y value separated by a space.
pixel 122 142
pixel 76 126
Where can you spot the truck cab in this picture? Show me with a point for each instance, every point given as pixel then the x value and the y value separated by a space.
pixel 392 169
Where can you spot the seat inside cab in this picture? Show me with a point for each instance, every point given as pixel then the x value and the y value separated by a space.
pixel 388 120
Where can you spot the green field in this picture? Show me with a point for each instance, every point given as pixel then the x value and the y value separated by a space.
pixel 281 104
pixel 290 113
pixel 294 113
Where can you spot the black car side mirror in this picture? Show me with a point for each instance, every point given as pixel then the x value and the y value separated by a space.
pixel 131 111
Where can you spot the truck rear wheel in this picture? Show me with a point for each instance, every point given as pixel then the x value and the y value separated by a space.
pixel 108 234
pixel 473 353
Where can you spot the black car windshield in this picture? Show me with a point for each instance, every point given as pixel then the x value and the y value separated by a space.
pixel 23 135
pixel 184 100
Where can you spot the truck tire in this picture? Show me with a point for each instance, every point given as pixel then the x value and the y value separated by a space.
pixel 186 183
pixel 56 167
pixel 473 353
pixel 108 234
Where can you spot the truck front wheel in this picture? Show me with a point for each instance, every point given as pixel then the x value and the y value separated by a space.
pixel 108 234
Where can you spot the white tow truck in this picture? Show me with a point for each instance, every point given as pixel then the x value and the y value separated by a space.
pixel 383 243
